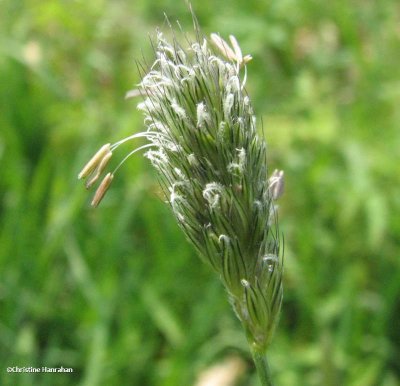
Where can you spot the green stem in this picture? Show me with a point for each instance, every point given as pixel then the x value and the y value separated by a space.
pixel 260 360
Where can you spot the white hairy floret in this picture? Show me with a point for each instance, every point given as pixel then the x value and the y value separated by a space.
pixel 212 193
pixel 228 103
pixel 202 114
pixel 180 111
pixel 238 166
pixel 158 158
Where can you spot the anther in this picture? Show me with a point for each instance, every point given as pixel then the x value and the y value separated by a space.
pixel 102 189
pixel 103 163
pixel 94 161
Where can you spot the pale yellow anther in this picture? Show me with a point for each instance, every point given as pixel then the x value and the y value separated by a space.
pixel 234 54
pixel 95 161
pixel 236 48
pixel 247 59
pixel 102 189
pixel 223 46
pixel 103 163
pixel 133 93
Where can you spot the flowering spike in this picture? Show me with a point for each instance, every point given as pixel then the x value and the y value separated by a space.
pixel 204 143
pixel 212 165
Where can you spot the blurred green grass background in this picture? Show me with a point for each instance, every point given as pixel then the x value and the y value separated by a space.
pixel 117 293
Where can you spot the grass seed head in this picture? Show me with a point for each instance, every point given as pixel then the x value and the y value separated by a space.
pixel 215 174
pixel 204 144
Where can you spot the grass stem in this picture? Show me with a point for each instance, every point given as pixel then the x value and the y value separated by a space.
pixel 260 360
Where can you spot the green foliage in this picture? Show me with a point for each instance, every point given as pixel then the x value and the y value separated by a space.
pixel 117 293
